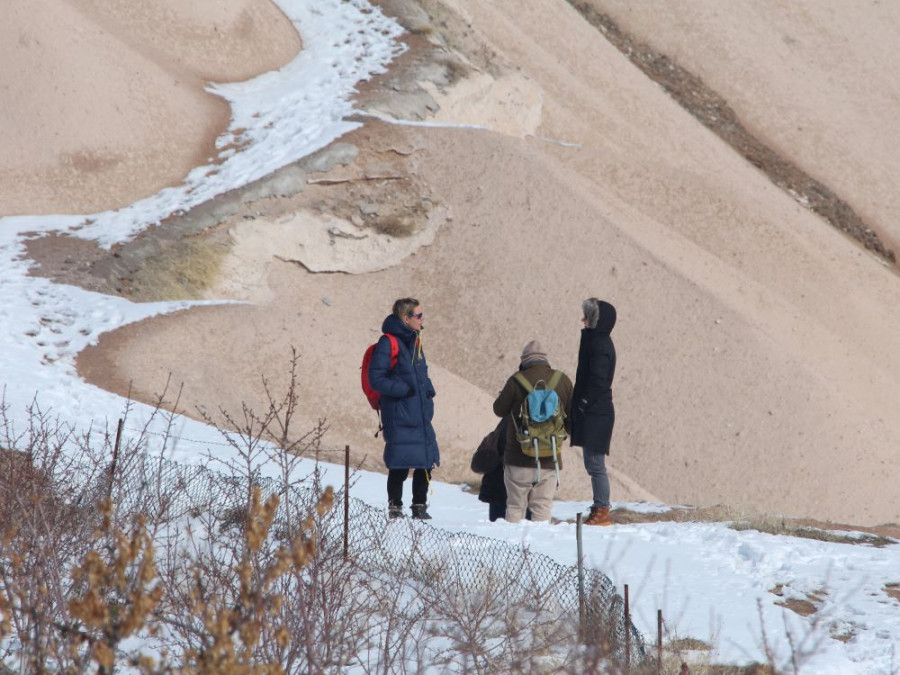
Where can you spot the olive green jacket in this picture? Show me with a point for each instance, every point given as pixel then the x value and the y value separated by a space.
pixel 509 401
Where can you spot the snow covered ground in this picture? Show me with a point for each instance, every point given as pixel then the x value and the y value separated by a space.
pixel 712 583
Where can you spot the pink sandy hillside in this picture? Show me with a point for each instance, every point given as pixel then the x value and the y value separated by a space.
pixel 758 346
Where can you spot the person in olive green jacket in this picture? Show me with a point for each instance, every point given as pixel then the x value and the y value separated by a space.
pixel 523 489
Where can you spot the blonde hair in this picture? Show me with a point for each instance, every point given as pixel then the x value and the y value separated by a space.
pixel 404 307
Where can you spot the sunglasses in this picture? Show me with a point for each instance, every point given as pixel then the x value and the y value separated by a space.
pixel 417 316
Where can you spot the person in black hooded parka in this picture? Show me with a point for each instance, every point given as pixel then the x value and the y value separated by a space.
pixel 407 407
pixel 593 414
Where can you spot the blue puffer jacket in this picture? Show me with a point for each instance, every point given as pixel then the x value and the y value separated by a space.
pixel 407 405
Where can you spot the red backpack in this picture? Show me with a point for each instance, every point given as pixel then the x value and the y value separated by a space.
pixel 372 395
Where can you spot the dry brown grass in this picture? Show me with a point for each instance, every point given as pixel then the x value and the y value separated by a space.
pixel 182 272
pixel 893 590
pixel 742 520
pixel 396 225
pixel 456 69
pixel 689 656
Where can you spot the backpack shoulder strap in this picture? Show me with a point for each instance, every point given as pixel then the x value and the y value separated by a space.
pixel 554 379
pixel 395 348
pixel 521 379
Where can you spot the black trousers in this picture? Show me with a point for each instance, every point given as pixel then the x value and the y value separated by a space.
pixel 396 477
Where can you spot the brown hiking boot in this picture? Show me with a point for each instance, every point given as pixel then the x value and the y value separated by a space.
pixel 599 516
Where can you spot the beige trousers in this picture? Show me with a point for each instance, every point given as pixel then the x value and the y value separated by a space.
pixel 521 494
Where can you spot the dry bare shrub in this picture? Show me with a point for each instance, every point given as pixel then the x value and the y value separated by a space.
pixel 234 618
pixel 89 521
pixel 119 558
pixel 490 632
pixel 280 574
pixel 48 497
pixel 114 589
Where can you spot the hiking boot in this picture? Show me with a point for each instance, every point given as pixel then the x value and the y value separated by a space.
pixel 599 516
pixel 395 512
pixel 420 512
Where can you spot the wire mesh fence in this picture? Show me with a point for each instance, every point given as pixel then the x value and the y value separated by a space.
pixel 460 565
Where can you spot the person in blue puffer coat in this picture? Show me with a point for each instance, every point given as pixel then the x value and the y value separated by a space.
pixel 407 407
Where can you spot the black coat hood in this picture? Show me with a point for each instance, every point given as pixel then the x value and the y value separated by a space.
pixel 607 319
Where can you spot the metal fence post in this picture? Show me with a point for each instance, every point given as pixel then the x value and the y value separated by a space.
pixel 115 458
pixel 627 632
pixel 346 501
pixel 581 602
pixel 659 632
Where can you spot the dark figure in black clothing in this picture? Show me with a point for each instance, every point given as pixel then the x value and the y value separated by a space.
pixel 488 460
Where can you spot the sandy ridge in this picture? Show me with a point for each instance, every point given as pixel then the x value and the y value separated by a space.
pixel 105 102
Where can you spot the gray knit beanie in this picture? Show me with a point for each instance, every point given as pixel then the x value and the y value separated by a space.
pixel 532 353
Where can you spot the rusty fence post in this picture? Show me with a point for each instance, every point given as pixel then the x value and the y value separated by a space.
pixel 659 635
